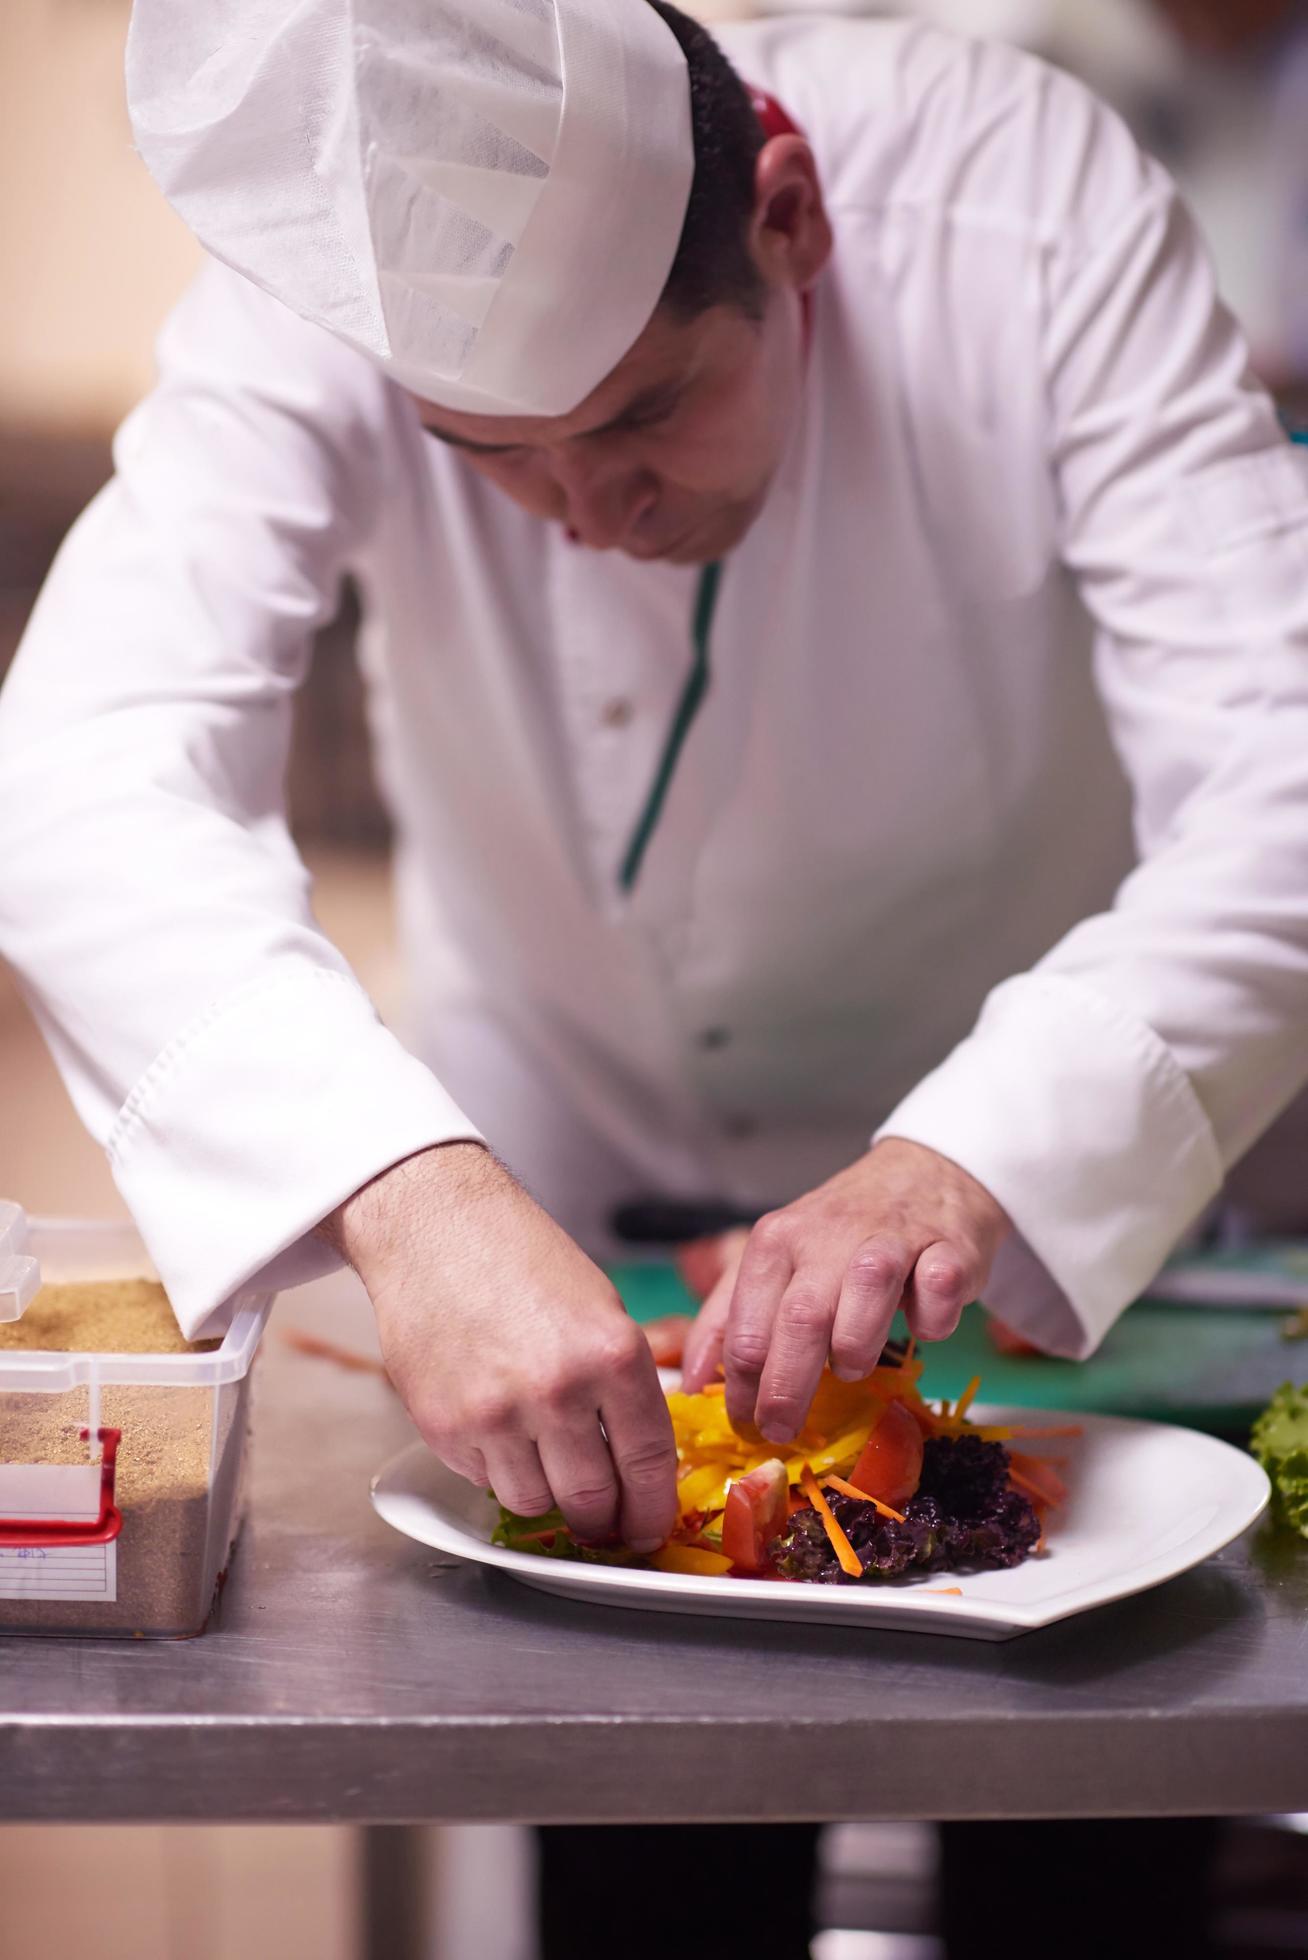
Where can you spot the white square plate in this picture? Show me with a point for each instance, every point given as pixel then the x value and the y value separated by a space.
pixel 1146 1500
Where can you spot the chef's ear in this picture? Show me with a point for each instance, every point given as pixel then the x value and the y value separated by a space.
pixel 790 233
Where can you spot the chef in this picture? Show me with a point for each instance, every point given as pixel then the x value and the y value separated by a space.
pixel 837 636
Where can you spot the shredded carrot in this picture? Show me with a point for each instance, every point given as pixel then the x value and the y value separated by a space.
pixel 714 1388
pixel 956 1591
pixel 965 1400
pixel 1040 1494
pixel 852 1490
pixel 840 1545
pixel 1041 1472
pixel 1033 1491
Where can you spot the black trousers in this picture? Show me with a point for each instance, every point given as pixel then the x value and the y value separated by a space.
pixel 1080 1890
pixel 677 1892
pixel 1117 1888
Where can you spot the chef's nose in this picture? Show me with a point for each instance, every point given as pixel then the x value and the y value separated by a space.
pixel 609 500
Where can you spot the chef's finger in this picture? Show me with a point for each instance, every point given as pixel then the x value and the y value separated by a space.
pixel 460 1457
pixel 703 1355
pixel 945 1278
pixel 581 1474
pixel 517 1476
pixel 870 1293
pixel 765 1273
pixel 644 1451
pixel 801 1341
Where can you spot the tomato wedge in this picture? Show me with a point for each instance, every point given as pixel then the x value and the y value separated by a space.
pixel 667 1338
pixel 1006 1339
pixel 757 1508
pixel 891 1464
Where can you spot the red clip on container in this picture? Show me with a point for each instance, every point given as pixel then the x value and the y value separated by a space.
pixel 49 1534
pixel 131 1533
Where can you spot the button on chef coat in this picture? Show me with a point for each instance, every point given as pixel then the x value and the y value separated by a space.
pixel 992 831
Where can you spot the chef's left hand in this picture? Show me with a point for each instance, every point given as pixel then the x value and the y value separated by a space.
pixel 821 1279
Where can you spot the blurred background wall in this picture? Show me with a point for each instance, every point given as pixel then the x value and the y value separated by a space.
pixel 93 255
pixel 92 260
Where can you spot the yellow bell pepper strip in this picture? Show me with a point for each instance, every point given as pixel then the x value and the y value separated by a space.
pixel 703 1489
pixel 841 1454
pixel 692 1560
pixel 840 1545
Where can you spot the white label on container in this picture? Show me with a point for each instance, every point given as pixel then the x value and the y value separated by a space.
pixel 34 1492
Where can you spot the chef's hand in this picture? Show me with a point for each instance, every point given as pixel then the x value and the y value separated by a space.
pixel 510 1348
pixel 821 1279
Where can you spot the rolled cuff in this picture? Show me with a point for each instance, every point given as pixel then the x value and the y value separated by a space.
pixel 1078 1120
pixel 251 1127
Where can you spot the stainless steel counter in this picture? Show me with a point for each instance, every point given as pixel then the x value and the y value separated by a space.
pixel 351 1675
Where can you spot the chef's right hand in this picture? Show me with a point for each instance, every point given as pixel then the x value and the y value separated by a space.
pixel 510 1348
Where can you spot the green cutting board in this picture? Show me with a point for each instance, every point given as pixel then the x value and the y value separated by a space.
pixel 1209 1368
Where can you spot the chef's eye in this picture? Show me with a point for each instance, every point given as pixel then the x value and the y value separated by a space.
pixel 655 419
pixel 475 448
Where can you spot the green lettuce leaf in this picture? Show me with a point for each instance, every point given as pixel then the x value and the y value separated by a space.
pixel 519 1534
pixel 524 1534
pixel 1280 1443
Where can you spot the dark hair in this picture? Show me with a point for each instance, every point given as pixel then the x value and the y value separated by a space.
pixel 713 266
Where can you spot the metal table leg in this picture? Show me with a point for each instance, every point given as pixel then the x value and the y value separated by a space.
pixel 393 1892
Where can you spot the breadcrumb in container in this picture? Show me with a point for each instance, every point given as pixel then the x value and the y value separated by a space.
pixel 179 1461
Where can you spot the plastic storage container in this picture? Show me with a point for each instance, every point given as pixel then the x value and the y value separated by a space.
pixel 120 1474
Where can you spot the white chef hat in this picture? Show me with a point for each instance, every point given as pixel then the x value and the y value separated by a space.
pixel 483 195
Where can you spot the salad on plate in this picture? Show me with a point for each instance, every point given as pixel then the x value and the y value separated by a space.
pixel 879 1483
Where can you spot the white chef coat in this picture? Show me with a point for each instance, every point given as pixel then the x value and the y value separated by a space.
pixel 1230 128
pixel 1028 602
